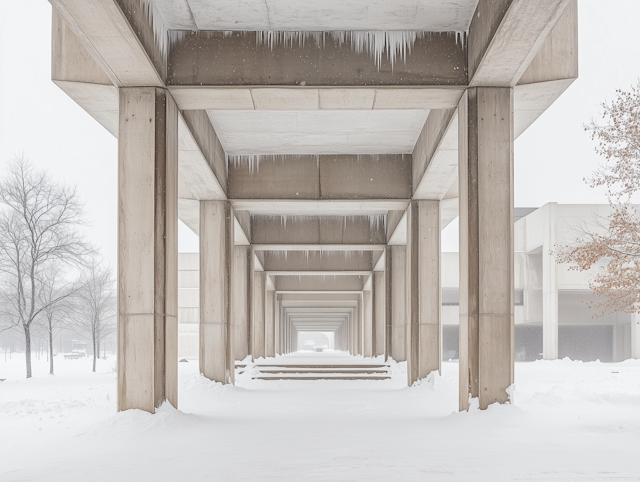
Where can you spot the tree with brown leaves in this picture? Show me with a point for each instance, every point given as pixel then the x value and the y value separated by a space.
pixel 616 241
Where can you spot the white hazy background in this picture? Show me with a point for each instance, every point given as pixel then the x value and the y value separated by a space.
pixel 551 158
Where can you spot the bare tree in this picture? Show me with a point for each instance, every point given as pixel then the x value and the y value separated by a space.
pixel 55 297
pixel 39 225
pixel 95 305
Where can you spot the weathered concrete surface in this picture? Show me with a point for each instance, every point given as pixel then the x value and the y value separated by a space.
pixel 316 230
pixel 147 249
pixel 424 336
pixel 486 245
pixel 322 177
pixel 367 322
pixel 217 58
pixel 397 324
pixel 217 254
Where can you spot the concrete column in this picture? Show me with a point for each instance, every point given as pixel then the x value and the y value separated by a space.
pixel 485 120
pixel 241 303
pixel 379 295
pixel 549 283
pixel 269 324
pixel 359 326
pixel 635 336
pixel 147 249
pixel 398 301
pixel 424 334
pixel 367 338
pixel 217 360
pixel 257 322
pixel 276 323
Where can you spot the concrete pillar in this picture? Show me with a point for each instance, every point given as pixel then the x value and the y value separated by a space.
pixel 485 120
pixel 359 326
pixel 549 283
pixel 241 303
pixel 147 249
pixel 379 295
pixel 424 330
pixel 396 284
pixel 276 323
pixel 257 322
pixel 635 336
pixel 367 338
pixel 269 324
pixel 217 254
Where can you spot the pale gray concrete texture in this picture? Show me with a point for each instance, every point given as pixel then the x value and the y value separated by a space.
pixel 356 142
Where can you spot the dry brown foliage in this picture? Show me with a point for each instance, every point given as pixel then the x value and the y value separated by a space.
pixel 616 242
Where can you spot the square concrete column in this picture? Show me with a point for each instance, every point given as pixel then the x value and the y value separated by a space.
pixel 241 302
pixel 269 324
pixel 276 323
pixel 379 311
pixel 258 312
pixel 549 283
pixel 395 274
pixel 424 334
pixel 367 337
pixel 147 249
pixel 217 256
pixel 485 119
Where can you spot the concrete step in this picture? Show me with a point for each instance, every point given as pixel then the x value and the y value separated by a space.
pixel 324 371
pixel 325 377
pixel 363 367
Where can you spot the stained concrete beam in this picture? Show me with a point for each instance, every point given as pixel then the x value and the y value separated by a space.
pixel 318 261
pixel 316 230
pixel 323 177
pixel 215 58
pixel 505 36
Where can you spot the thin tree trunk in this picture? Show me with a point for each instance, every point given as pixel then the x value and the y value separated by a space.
pixel 27 348
pixel 50 348
pixel 94 355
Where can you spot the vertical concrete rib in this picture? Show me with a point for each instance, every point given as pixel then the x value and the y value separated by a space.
pixel 240 305
pixel 269 324
pixel 398 302
pixel 367 338
pixel 379 313
pixel 486 244
pixel 217 360
pixel 147 249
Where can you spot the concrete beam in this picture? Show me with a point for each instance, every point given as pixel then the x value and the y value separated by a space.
pixel 318 261
pixel 505 36
pixel 329 98
pixel 317 230
pixel 362 207
pixel 119 36
pixel 203 172
pixel 319 283
pixel 213 58
pixel 323 177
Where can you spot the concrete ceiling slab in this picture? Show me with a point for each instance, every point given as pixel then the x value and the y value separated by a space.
pixel 291 15
pixel 318 131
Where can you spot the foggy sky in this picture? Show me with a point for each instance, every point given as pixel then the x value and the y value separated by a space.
pixel 551 158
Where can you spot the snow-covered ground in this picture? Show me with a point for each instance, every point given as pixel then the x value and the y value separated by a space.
pixel 570 421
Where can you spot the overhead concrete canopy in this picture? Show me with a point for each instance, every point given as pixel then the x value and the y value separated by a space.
pixel 291 15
